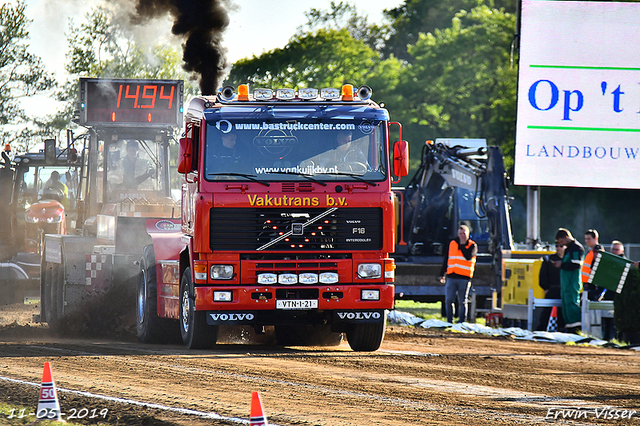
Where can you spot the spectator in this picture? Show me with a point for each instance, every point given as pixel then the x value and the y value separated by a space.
pixel 570 283
pixel 549 281
pixel 617 248
pixel 591 238
pixel 457 271
pixel 608 326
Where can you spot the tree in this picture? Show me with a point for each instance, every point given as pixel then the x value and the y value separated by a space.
pixel 460 81
pixel 324 58
pixel 344 15
pixel 413 17
pixel 104 46
pixel 22 74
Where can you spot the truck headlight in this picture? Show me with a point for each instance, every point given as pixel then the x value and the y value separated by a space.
pixel 267 278
pixel 369 270
pixel 329 277
pixel 287 279
pixel 370 295
pixel 308 278
pixel 221 272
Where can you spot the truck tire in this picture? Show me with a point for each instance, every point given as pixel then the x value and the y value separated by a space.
pixel 307 335
pixel 149 326
pixel 196 333
pixel 367 337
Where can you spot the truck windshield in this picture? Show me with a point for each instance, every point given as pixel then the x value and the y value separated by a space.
pixel 296 150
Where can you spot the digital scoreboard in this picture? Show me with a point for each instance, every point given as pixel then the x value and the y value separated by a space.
pixel 127 102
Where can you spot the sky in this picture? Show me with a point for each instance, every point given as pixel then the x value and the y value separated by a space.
pixel 256 26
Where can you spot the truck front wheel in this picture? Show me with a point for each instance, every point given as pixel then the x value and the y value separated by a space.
pixel 367 337
pixel 196 333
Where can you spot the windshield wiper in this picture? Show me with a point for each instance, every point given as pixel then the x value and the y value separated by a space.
pixel 356 177
pixel 309 177
pixel 250 177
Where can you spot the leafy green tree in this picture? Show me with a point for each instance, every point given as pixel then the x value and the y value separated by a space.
pixel 413 17
pixel 324 58
pixel 104 47
pixel 344 15
pixel 22 74
pixel 460 81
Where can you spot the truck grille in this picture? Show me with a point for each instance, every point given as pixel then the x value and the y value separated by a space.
pixel 318 229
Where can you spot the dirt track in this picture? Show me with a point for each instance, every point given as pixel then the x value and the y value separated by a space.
pixel 418 377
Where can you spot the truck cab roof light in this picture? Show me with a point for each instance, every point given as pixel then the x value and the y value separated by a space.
pixel 364 93
pixel 262 94
pixel 285 94
pixel 227 93
pixel 347 92
pixel 307 93
pixel 329 93
pixel 243 92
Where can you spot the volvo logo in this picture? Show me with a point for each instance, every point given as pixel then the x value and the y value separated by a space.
pixel 232 317
pixel 297 228
pixel 461 177
pixel 359 315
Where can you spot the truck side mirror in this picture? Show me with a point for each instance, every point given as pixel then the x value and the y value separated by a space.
pixel 185 155
pixel 400 159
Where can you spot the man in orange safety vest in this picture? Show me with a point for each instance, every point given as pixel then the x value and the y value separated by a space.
pixel 591 240
pixel 457 271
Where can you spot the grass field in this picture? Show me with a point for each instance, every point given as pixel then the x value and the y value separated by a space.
pixel 423 310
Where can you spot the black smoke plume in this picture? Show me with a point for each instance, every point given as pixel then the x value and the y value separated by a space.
pixel 201 23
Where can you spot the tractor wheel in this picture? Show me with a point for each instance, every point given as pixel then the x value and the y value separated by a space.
pixel 367 337
pixel 149 326
pixel 196 333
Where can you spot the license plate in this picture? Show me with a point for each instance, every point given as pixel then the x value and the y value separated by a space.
pixel 296 304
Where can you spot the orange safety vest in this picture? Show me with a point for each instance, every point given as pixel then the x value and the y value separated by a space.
pixel 586 267
pixel 457 264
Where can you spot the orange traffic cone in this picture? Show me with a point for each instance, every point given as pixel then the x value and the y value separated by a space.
pixel 48 405
pixel 257 412
pixel 553 320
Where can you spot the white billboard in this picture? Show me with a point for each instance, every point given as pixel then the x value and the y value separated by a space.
pixel 578 121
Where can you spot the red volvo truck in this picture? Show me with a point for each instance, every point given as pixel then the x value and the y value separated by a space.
pixel 287 220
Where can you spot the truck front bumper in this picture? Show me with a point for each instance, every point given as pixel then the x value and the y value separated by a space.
pixel 285 304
